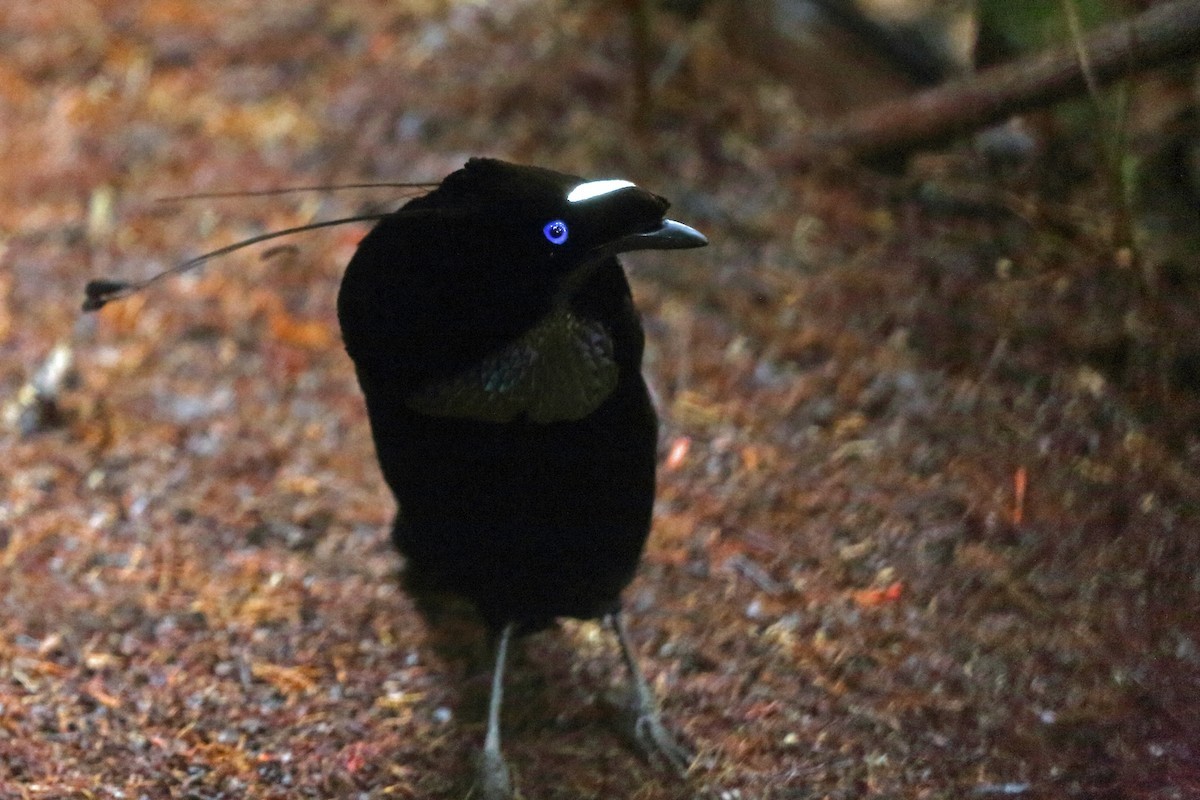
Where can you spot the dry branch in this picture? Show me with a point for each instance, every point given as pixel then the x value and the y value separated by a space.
pixel 1160 35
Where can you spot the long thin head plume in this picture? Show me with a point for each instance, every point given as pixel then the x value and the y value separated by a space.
pixel 102 291
pixel 329 187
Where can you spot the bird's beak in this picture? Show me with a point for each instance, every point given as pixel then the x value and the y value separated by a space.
pixel 671 235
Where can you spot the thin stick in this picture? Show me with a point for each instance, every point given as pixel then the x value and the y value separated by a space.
pixel 1075 26
pixel 1114 128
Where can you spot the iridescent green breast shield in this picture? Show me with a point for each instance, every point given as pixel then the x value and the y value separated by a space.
pixel 561 369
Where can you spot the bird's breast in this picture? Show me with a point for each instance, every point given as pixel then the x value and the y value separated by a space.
pixel 561 369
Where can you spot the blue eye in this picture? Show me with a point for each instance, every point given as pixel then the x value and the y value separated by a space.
pixel 556 231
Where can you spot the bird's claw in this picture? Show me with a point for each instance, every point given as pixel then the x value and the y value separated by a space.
pixel 492 778
pixel 659 744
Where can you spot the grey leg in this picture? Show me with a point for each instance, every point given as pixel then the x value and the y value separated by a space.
pixel 648 731
pixel 492 777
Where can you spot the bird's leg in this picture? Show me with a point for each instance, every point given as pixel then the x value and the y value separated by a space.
pixel 492 777
pixel 648 731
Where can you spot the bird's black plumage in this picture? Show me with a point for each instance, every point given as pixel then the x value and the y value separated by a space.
pixel 495 339
pixel 503 384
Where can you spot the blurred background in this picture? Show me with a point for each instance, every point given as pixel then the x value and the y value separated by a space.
pixel 928 517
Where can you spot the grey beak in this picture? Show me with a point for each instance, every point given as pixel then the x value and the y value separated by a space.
pixel 671 235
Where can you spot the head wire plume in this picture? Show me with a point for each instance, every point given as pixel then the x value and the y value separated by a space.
pixel 100 292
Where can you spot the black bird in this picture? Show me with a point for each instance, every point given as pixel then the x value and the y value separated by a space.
pixel 495 339
pixel 497 345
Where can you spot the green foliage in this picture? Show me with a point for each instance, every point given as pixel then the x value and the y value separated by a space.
pixel 1030 25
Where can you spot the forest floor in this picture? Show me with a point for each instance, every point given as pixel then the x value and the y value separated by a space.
pixel 928 523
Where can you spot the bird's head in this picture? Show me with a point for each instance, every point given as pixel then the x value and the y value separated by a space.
pixel 490 254
pixel 549 225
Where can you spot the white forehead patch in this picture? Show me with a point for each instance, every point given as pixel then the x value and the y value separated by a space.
pixel 586 191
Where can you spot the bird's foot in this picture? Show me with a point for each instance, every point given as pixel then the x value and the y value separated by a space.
pixel 656 743
pixel 492 779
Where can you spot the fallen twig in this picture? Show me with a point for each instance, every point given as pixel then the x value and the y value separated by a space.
pixel 1160 35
